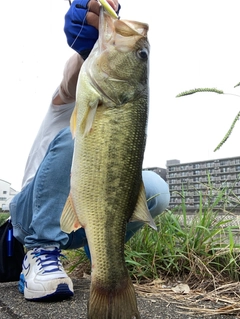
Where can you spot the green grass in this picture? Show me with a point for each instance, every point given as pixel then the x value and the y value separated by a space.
pixel 3 217
pixel 198 249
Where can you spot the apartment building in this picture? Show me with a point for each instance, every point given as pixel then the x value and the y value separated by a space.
pixel 205 178
pixel 160 171
pixel 6 194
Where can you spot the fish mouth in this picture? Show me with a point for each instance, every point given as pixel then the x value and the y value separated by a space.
pixel 116 37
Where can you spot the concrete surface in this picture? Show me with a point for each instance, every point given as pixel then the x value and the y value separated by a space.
pixel 13 305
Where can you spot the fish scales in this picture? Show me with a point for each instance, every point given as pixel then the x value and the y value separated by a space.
pixel 115 175
pixel 109 125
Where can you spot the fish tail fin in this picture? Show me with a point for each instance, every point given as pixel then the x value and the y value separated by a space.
pixel 115 303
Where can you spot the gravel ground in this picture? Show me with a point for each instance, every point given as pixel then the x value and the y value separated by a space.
pixel 13 305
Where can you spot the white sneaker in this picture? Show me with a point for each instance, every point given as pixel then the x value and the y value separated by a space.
pixel 43 277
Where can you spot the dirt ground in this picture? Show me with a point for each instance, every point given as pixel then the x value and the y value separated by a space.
pixel 161 299
pixel 157 299
pixel 160 303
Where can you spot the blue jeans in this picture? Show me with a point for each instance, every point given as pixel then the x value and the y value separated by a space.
pixel 36 210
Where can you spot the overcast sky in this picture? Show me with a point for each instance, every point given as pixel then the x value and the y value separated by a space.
pixel 193 44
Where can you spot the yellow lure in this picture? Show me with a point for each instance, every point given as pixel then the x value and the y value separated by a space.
pixel 109 9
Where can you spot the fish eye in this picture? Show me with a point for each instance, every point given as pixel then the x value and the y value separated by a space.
pixel 142 53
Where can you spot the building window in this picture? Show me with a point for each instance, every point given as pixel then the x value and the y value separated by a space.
pixel 196 172
pixel 4 192
pixel 223 163
pixel 196 165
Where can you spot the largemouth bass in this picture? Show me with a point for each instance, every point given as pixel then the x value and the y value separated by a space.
pixel 109 126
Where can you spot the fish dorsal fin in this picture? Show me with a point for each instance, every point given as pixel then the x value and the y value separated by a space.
pixel 141 212
pixel 73 122
pixel 69 221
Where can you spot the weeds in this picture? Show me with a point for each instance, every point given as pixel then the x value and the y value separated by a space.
pixel 214 90
pixel 202 247
pixel 3 217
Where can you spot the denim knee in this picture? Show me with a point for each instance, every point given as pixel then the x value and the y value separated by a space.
pixel 157 192
pixel 158 198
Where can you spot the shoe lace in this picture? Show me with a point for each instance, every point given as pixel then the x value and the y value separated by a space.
pixel 48 260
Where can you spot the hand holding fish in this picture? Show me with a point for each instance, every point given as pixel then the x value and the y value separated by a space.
pixel 81 30
pixel 81 24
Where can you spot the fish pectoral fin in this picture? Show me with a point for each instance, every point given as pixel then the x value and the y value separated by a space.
pixel 69 221
pixel 141 212
pixel 88 119
pixel 73 122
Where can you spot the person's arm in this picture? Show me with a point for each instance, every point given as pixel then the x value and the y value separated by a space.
pixel 81 29
pixel 67 89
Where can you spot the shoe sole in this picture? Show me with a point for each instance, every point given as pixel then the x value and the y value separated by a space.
pixel 62 292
